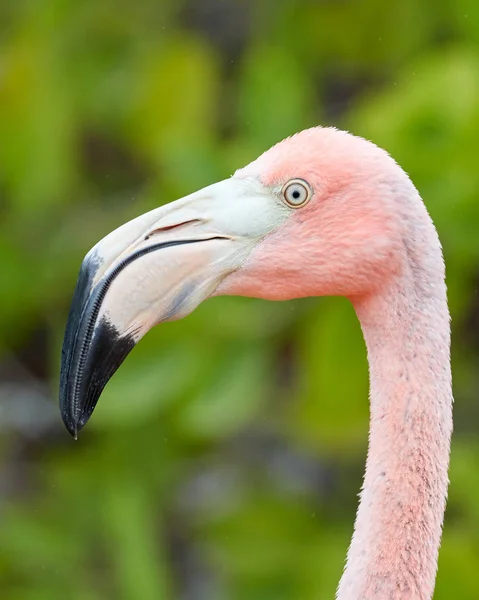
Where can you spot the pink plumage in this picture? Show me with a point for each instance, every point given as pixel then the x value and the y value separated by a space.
pixel 366 235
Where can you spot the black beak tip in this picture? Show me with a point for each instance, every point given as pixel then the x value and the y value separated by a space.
pixel 75 425
pixel 74 420
pixel 71 424
pixel 106 353
pixel 92 351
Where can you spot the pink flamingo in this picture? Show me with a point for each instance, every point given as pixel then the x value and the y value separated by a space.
pixel 320 213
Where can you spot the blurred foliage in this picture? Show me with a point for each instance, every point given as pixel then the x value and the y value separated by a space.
pixel 225 456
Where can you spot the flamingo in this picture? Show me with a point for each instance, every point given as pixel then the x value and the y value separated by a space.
pixel 320 213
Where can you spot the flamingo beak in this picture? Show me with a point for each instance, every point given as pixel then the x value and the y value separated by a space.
pixel 157 267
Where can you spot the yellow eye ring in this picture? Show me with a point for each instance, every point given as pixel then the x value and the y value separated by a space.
pixel 296 193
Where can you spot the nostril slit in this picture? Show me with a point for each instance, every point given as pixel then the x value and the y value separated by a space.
pixel 170 227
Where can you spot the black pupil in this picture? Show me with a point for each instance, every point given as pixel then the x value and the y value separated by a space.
pixel 296 194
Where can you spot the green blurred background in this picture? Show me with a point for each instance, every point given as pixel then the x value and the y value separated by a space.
pixel 225 457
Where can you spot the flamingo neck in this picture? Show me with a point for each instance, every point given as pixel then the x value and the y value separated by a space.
pixel 394 549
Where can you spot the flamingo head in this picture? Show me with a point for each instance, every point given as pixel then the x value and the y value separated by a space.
pixel 317 214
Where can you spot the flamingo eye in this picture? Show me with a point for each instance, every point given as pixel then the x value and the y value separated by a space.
pixel 296 193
